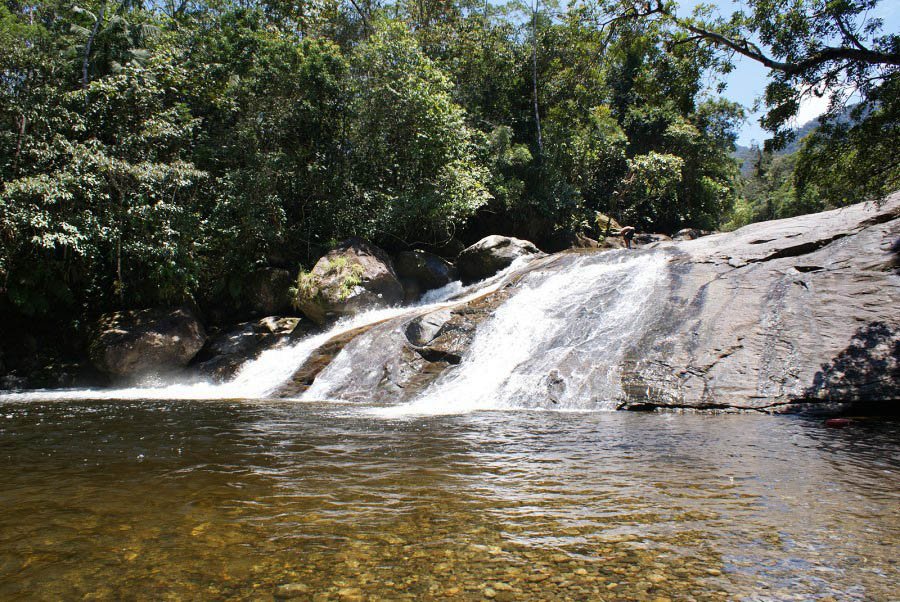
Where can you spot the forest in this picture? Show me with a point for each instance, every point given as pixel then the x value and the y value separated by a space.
pixel 163 152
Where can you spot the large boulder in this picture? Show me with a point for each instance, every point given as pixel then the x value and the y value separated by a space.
pixel 150 341
pixel 490 255
pixel 227 350
pixel 420 271
pixel 267 292
pixel 566 240
pixel 353 277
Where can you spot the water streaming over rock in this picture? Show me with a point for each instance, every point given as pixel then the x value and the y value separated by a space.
pixel 557 343
pixel 258 378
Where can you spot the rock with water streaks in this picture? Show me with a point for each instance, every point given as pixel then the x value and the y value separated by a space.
pixel 776 316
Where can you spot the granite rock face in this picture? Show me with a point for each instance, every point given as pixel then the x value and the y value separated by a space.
pixel 781 316
pixel 778 315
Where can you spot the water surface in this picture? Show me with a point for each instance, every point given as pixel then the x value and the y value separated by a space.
pixel 138 500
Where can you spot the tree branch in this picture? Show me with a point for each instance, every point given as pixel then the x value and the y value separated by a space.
pixel 752 51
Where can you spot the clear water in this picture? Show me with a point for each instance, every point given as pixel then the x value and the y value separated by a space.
pixel 229 500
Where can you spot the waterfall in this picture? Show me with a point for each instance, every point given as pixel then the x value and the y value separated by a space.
pixel 557 343
pixel 260 377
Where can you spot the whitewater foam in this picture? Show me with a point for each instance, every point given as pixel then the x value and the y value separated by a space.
pixel 556 344
pixel 260 377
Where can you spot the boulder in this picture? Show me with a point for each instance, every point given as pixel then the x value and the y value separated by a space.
pixel 490 255
pixel 150 341
pixel 690 234
pixel 226 351
pixel 606 225
pixel 565 240
pixel 267 292
pixel 420 271
pixel 353 277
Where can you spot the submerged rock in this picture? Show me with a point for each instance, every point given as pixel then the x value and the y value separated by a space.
pixel 490 255
pixel 353 277
pixel 151 341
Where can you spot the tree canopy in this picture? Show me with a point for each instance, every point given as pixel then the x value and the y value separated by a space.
pixel 162 152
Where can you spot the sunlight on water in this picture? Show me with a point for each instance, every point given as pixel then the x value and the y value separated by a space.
pixel 180 500
pixel 556 344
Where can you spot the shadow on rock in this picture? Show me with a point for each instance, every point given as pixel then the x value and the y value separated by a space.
pixel 866 373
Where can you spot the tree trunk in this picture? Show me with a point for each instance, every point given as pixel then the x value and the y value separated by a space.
pixel 87 47
pixel 537 113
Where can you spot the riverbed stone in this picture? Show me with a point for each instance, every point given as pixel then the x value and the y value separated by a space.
pixel 490 255
pixel 145 342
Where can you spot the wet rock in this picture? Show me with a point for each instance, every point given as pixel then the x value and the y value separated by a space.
pixel 808 319
pixel 226 351
pixel 690 234
pixel 420 271
pixel 647 238
pixel 152 341
pixel 395 359
pixel 490 255
pixel 353 277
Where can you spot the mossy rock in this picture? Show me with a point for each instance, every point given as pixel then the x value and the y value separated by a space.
pixel 354 277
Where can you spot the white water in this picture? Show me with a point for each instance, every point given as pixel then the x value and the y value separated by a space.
pixel 260 377
pixel 556 344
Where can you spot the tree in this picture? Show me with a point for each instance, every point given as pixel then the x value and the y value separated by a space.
pixel 414 169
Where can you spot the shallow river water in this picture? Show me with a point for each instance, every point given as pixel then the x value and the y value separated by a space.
pixel 156 500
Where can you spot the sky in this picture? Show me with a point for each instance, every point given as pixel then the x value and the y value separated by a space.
pixel 747 82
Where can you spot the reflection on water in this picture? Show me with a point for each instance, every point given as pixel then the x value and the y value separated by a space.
pixel 230 500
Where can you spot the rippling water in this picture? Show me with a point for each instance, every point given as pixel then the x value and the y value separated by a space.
pixel 238 500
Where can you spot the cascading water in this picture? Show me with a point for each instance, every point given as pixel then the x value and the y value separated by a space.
pixel 260 377
pixel 557 343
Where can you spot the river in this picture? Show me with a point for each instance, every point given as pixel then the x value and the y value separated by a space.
pixel 241 500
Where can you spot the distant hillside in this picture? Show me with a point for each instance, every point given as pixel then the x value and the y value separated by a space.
pixel 746 154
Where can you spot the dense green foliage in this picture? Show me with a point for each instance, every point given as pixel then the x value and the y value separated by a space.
pixel 833 49
pixel 162 152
